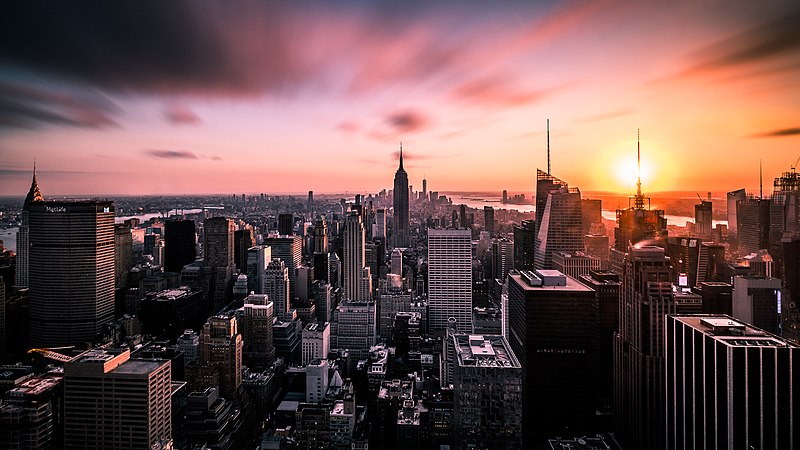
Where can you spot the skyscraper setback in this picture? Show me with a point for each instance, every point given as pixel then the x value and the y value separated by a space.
pixel 400 204
pixel 71 271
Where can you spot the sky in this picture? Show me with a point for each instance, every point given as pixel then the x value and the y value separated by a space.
pixel 192 97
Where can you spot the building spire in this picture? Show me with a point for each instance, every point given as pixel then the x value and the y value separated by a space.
pixel 760 180
pixel 548 146
pixel 34 194
pixel 401 154
pixel 638 200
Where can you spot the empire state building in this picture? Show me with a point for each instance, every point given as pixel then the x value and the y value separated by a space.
pixel 400 222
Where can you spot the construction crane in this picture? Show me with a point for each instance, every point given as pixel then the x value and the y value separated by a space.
pixel 794 166
pixel 50 354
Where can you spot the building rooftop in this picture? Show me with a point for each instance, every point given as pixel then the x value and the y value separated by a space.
pixel 34 386
pixel 531 281
pixel 139 367
pixel 484 351
pixel 731 331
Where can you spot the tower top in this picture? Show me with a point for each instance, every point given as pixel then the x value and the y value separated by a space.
pixel 638 199
pixel 401 154
pixel 34 194
pixel 548 146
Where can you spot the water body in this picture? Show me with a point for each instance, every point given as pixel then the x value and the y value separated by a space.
pixel 9 238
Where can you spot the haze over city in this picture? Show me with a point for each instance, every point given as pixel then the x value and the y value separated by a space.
pixel 180 97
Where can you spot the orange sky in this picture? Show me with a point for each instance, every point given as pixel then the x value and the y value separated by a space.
pixel 262 98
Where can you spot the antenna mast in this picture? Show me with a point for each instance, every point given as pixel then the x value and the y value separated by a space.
pixel 548 146
pixel 760 181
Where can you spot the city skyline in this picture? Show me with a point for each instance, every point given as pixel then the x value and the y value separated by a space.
pixel 275 98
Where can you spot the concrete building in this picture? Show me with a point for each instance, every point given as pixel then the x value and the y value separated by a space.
pixel 257 315
pixel 356 327
pixel 357 279
pixel 316 380
pixel 502 257
pixel 71 269
pixel 400 228
pixel 189 344
pixel 30 414
pixel 487 393
pixel 221 347
pixel 756 301
pixel 114 402
pixel 728 385
pixel 166 314
pixel 289 249
pixel 524 245
pixel 449 279
pixel 553 331
pixel 316 342
pixel 647 296
pixel 277 287
pixel 258 258
pixel 575 264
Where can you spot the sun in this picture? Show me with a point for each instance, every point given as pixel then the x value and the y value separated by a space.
pixel 627 172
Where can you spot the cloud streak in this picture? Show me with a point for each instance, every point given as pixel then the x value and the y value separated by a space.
pixel 783 132
pixel 181 115
pixel 170 154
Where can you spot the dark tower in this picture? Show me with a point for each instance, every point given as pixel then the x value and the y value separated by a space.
pixel 23 242
pixel 179 245
pixel 400 231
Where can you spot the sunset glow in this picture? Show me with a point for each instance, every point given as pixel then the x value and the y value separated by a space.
pixel 227 94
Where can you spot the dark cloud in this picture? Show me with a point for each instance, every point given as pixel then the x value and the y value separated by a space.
pixel 181 115
pixel 783 132
pixel 776 38
pixel 170 154
pixel 407 121
pixel 28 106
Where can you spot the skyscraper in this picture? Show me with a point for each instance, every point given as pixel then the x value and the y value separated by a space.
pixel 218 246
pixel 113 401
pixel 639 348
pixel 71 271
pixel 488 219
pixel 553 331
pixel 290 250
pixel 286 224
pixel 487 393
pixel 123 255
pixel 357 285
pixel 221 346
pixel 23 236
pixel 637 224
pixel 258 258
pixel 755 301
pixel 753 223
pixel 449 278
pixel 276 286
pixel 400 226
pixel 524 244
pixel 702 218
pixel 733 198
pixel 559 228
pixel 356 327
pixel 729 385
pixel 179 244
pixel 258 351
pixel 243 239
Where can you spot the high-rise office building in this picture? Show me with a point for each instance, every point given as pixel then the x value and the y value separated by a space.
pixel 180 241
pixel 488 219
pixel 30 414
pixel 243 239
pixel 487 393
pixel 258 258
pixel 380 224
pixel 2 317
pixel 218 243
pixel 784 211
pixel 321 236
pixel 592 216
pixel 310 201
pixel 71 271
pixel 258 352
pixel 316 341
pixel 560 228
pixel 756 301
pixel 728 385
pixel 638 224
pixel 502 257
pixel 449 279
pixel 290 250
pixel 703 219
pixel 790 300
pixel 113 401
pixel 753 223
pixel 606 286
pixel 639 348
pixel 286 224
pixel 553 331
pixel 545 183
pixel 733 198
pixel 276 286
pixel 23 234
pixel 356 323
pixel 400 227
pixel 575 264
pixel 221 347
pixel 524 244
pixel 123 255
pixel 357 280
